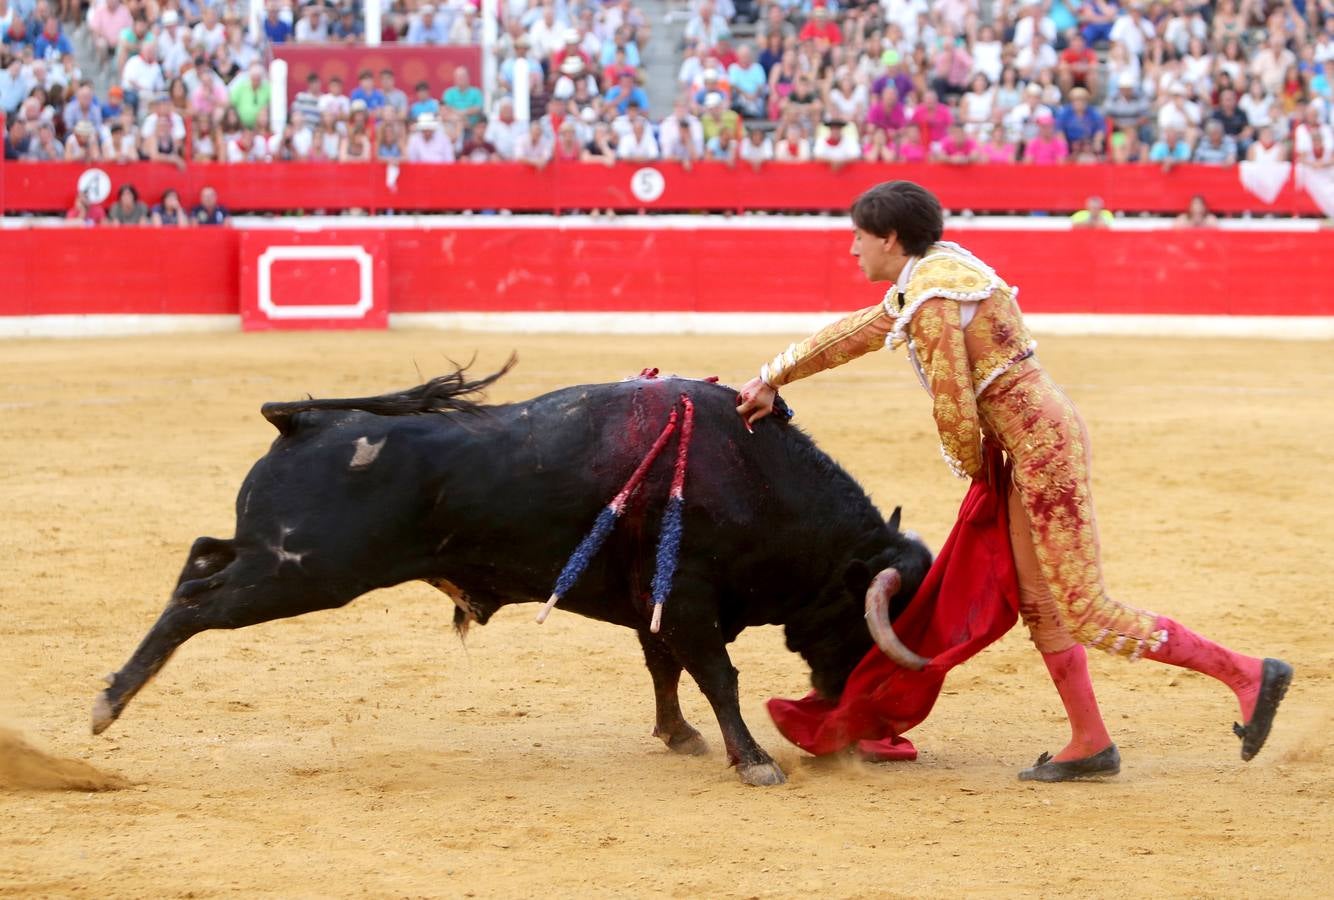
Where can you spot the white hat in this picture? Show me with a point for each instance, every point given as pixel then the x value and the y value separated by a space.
pixel 573 64
pixel 588 114
pixel 426 8
pixel 571 36
pixel 426 122
pixel 170 17
pixel 711 74
pixel 713 100
pixel 1126 79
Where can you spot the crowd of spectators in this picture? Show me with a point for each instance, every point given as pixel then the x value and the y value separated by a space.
pixel 955 81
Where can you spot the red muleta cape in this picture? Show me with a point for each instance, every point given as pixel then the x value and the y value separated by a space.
pixel 969 598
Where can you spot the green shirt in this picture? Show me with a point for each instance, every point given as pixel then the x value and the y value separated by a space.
pixel 1083 216
pixel 249 101
pixel 469 97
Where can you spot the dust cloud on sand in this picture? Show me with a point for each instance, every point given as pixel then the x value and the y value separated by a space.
pixel 25 767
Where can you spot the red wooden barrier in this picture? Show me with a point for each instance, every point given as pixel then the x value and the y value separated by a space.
pixel 142 270
pixel 283 187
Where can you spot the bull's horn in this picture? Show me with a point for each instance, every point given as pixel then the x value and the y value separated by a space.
pixel 883 588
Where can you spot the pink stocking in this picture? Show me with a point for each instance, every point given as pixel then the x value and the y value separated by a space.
pixel 1189 650
pixel 1088 734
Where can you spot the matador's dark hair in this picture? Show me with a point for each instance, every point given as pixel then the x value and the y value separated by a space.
pixel 903 208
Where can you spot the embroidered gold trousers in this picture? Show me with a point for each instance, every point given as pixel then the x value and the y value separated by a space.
pixel 1053 530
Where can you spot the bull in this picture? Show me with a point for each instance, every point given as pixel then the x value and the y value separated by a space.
pixel 486 502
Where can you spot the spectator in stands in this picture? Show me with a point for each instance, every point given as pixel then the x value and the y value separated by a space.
pixel 210 34
pixel 718 117
pixel 932 118
pixel 16 140
pixel 836 144
pixel 957 148
pixel 747 79
pixel 46 147
pixel 109 18
pixel 162 109
pixel 819 27
pixel 348 28
pixel 756 149
pixel 356 144
pixel 846 99
pixel 682 134
pixel 368 93
pixel 15 84
pixel 173 44
pixel 503 130
pixel 1128 111
pixel 1313 140
pixel 533 146
pixel 464 97
pixel 1048 146
pixel 638 144
pixel 998 148
pixel 1093 215
pixel 1021 122
pixel 427 28
pixel 1216 148
pixel 888 114
pixel 1197 215
pixel 976 106
pixel 335 101
pixel 209 211
pixel 1077 66
pixel 706 28
pixel 203 143
pixel 1170 148
pixel 428 142
pixel 601 148
pixel 1083 126
pixel 1266 148
pixel 306 101
pixel 251 94
pixel 1035 57
pixel 128 208
pixel 1132 28
pixel 122 140
pixel 423 104
pixel 82 107
pixel 1179 113
pixel 142 76
pixel 567 148
pixel 722 147
pixel 276 28
pixel 311 28
pixel 793 146
pixel 82 143
pixel 162 146
pixel 170 213
pixel 51 43
pixel 394 98
pixel 389 143
pixel 1271 62
pixel 85 211
pixel 951 67
pixel 625 93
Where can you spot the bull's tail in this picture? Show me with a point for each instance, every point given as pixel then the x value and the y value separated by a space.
pixel 454 392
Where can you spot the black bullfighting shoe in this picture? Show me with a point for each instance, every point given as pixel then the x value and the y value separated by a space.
pixel 1103 764
pixel 1274 680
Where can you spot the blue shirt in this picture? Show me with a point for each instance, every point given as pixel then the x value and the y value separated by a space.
pixel 622 98
pixel 49 50
pixel 1079 128
pixel 747 81
pixel 373 100
pixel 278 32
pixel 609 54
pixel 428 107
pixel 1160 152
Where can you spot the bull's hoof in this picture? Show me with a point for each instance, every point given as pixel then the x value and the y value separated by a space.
pixel 687 742
pixel 762 774
pixel 103 714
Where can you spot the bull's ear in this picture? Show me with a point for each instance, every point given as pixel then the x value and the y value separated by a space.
pixel 894 518
pixel 857 577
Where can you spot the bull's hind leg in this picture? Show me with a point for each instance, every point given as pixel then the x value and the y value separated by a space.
pixel 219 588
pixel 670 725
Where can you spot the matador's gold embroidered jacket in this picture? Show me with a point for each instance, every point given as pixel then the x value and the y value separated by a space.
pixel 962 328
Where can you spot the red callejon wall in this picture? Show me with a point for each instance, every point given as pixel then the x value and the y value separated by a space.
pixel 673 268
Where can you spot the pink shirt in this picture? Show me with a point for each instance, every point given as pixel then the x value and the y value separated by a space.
pixel 958 151
pixel 108 25
pixel 994 154
pixel 912 152
pixel 937 121
pixel 1046 151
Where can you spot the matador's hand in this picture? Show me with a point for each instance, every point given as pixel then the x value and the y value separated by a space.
pixel 755 401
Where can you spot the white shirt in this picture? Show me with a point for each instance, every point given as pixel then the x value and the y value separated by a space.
pixel 1181 119
pixel 1134 35
pixel 1302 143
pixel 142 77
pixel 750 152
pixel 149 128
pixel 643 147
pixel 211 38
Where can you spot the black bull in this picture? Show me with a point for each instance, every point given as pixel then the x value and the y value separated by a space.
pixel 486 503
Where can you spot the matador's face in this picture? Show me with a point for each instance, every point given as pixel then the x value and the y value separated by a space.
pixel 877 256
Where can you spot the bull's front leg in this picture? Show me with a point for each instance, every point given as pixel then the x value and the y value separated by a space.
pixel 670 725
pixel 694 638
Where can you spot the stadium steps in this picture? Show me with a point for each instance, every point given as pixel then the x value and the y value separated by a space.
pixel 85 55
pixel 662 57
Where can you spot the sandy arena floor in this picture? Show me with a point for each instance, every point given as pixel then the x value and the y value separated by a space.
pixel 366 752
